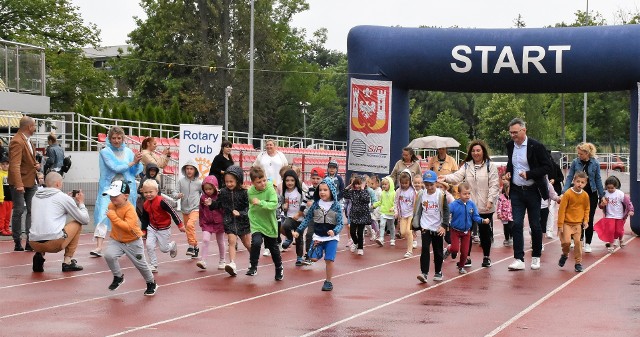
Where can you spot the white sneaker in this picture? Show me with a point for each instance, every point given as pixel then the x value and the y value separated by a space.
pixel 203 265
pixel 408 254
pixel 353 248
pixel 231 269
pixel 173 252
pixel 572 244
pixel 415 244
pixel 392 243
pixel 587 248
pixel 373 236
pixel 380 241
pixel 154 269
pixel 266 252
pixel 616 243
pixel 535 263
pixel 549 235
pixel 516 265
pixel 360 252
pixel 542 249
pixel 221 265
pixel 622 243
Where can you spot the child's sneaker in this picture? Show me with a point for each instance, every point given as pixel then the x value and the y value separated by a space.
pixel 196 251
pixel 299 262
pixel 510 242
pixel 414 244
pixel 446 253
pixel 327 286
pixel 154 269
pixel 380 241
pixel 279 273
pixel 373 236
pixel 151 289
pixel 252 271
pixel 392 243
pixel 202 265
pixel 622 243
pixel 438 276
pixel 221 265
pixel 173 252
pixel 360 252
pixel 408 254
pixel 117 281
pixel 462 271
pixel 616 243
pixel 486 262
pixel 578 268
pixel 505 243
pixel 189 251
pixel 422 278
pixel 95 253
pixel 587 248
pixel 563 259
pixel 353 247
pixel 468 263
pixel 231 268
pixel 266 252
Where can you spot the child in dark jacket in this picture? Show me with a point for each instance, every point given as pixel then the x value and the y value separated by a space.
pixel 463 213
pixel 234 201
pixel 294 204
pixel 211 221
pixel 360 215
pixel 151 173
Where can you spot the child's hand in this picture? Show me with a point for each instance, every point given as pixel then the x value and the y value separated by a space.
pixel 631 213
pixel 182 229
pixel 255 201
pixel 179 196
pixel 485 221
pixel 604 202
pixel 235 213
pixel 208 201
pixel 441 231
pixel 331 233
pixel 560 230
pixel 295 234
pixel 585 225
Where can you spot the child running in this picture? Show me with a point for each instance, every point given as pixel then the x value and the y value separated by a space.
pixel 360 215
pixel 6 205
pixel 463 213
pixel 326 215
pixel 573 217
pixel 432 217
pixel 418 185
pixel 405 200
pixel 374 184
pixel 317 174
pixel 293 207
pixel 616 207
pixel 151 173
pixel 157 213
pixel 262 220
pixel 189 190
pixel 504 212
pixel 234 202
pixel 127 238
pixel 211 222
pixel 387 210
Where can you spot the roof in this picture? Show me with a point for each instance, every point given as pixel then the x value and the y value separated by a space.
pixel 10 119
pixel 105 52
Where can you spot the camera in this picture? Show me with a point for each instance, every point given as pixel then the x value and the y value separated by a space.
pixel 74 193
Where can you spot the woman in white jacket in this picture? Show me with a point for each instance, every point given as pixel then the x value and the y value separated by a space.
pixel 482 175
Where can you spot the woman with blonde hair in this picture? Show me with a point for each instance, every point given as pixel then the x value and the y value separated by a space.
pixel 149 154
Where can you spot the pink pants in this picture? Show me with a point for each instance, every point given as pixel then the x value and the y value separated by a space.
pixel 460 242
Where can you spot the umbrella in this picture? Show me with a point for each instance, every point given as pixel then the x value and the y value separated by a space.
pixel 433 142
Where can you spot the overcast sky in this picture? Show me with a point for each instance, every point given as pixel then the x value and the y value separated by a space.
pixel 115 17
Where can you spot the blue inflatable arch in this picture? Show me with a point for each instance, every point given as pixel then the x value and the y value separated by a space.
pixel 544 60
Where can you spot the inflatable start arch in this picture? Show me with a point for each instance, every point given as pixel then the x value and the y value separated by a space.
pixel 544 60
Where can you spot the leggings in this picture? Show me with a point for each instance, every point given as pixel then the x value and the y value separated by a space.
pixel 587 234
pixel 388 224
pixel 357 234
pixel 206 238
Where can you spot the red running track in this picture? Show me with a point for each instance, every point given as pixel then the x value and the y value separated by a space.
pixel 375 295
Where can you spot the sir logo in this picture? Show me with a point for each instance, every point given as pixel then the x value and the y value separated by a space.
pixel 370 109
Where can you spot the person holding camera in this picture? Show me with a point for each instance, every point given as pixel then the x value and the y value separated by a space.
pixel 50 232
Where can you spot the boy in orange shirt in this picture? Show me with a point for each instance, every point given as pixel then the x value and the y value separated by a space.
pixel 573 217
pixel 126 237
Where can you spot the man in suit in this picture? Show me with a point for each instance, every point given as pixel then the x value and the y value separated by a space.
pixel 527 165
pixel 22 178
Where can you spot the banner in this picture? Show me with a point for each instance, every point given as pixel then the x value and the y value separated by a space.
pixel 638 138
pixel 369 126
pixel 200 143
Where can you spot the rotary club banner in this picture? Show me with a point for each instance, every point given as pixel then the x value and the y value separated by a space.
pixel 369 126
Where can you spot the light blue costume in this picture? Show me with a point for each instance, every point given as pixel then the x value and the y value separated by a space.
pixel 110 165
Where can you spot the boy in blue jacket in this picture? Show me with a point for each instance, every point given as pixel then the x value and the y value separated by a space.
pixel 463 213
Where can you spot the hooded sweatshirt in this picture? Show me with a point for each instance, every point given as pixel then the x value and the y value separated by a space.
pixel 49 216
pixel 360 201
pixel 387 200
pixel 190 188
pixel 297 198
pixel 323 219
pixel 150 166
pixel 210 217
pixel 236 199
pixel 262 217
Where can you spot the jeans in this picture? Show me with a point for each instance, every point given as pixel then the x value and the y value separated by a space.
pixel 19 199
pixel 525 199
pixel 431 238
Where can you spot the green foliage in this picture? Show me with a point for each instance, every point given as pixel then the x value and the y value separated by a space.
pixel 495 116
pixel 446 125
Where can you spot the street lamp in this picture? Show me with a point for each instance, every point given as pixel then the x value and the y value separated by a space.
pixel 227 94
pixel 304 106
pixel 251 57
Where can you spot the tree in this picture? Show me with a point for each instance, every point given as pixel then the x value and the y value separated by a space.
pixel 495 116
pixel 446 125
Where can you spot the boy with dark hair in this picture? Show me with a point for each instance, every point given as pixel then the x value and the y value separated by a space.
pixel 263 201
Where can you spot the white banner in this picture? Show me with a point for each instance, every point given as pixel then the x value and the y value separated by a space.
pixel 370 126
pixel 200 143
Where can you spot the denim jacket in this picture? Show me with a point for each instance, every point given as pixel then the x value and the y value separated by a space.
pixel 593 171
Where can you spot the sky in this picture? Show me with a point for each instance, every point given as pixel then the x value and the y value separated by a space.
pixel 115 17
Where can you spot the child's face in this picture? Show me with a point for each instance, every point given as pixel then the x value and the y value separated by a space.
pixel 332 170
pixel 417 183
pixel 611 188
pixel 323 191
pixel 290 183
pixel 385 185
pixel 430 187
pixel 440 186
pixel 153 173
pixel 208 189
pixel 4 166
pixel 374 183
pixel 505 182
pixel 405 183
pixel 315 180
pixel 579 183
pixel 465 194
pixel 260 183
pixel 357 186
pixel 120 199
pixel 190 171
pixel 40 179
pixel 230 181
pixel 149 192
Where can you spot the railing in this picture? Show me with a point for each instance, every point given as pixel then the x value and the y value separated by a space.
pixel 22 67
pixel 301 142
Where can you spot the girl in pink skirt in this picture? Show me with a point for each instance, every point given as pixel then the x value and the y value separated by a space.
pixel 616 207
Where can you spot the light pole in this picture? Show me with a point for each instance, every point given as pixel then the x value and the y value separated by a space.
pixel 251 77
pixel 227 94
pixel 304 106
pixel 584 112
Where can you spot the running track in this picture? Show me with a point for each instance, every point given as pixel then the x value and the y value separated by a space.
pixel 374 295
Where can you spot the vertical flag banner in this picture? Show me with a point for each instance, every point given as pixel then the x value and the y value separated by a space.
pixel 369 126
pixel 638 147
pixel 200 143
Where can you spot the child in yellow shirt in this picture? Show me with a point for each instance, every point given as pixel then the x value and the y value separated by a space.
pixel 573 217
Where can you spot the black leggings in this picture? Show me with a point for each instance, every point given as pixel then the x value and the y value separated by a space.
pixel 587 234
pixel 357 234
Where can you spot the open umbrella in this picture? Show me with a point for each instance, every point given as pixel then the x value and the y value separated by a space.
pixel 433 142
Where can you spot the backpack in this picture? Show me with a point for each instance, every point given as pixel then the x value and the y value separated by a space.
pixel 66 164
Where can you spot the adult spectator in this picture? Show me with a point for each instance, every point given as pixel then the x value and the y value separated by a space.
pixel 442 163
pixel 271 161
pixel 556 178
pixel 149 155
pixel 221 162
pixel 482 176
pixel 408 161
pixel 55 155
pixel 528 163
pixel 587 162
pixel 116 162
pixel 50 232
pixel 22 179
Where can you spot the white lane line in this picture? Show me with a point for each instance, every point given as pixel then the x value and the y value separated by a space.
pixel 546 297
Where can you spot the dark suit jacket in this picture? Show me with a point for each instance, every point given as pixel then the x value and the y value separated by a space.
pixel 539 164
pixel 22 162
